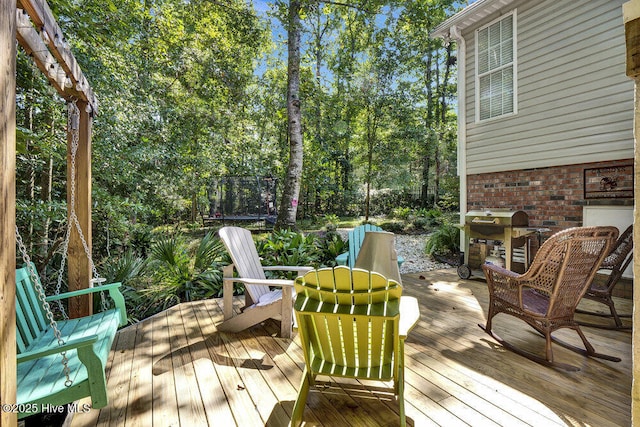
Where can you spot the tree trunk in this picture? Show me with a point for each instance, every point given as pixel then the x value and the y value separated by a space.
pixel 428 124
pixel 371 144
pixel 443 121
pixel 291 189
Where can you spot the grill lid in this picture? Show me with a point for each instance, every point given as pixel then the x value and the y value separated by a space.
pixel 498 217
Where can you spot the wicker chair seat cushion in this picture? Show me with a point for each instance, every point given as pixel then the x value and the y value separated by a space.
pixel 535 302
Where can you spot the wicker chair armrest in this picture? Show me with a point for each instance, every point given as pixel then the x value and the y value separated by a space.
pixel 498 274
pixel 505 284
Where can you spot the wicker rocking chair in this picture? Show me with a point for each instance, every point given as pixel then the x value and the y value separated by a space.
pixel 546 296
pixel 617 262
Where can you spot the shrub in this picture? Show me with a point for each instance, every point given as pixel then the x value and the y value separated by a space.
pixel 401 213
pixel 180 274
pixel 286 247
pixel 331 222
pixel 128 269
pixel 392 226
pixel 445 240
pixel 330 245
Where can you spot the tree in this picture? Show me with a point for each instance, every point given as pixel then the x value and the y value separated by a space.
pixel 291 190
pixel 424 59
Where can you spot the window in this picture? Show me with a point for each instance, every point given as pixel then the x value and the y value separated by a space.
pixel 496 68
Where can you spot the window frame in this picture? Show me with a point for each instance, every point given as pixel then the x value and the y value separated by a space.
pixel 513 64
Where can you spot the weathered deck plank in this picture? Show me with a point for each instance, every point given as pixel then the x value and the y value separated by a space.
pixel 176 369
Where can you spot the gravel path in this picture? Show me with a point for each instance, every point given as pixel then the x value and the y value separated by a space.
pixel 411 248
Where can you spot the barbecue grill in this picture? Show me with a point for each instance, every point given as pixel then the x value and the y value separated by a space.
pixel 497 236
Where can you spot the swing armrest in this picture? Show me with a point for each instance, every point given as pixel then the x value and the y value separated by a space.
pixel 114 293
pixel 108 287
pixel 54 348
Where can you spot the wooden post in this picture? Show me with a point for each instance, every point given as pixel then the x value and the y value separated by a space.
pixel 80 272
pixel 631 18
pixel 7 208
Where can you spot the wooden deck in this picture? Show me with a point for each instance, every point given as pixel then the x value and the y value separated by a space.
pixel 175 369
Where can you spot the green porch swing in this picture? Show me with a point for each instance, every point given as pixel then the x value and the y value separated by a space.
pixel 62 361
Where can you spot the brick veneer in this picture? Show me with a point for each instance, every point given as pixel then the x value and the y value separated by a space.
pixel 552 197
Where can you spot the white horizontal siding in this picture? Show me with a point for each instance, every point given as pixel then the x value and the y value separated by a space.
pixel 575 104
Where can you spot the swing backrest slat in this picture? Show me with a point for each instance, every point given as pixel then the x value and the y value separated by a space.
pixel 30 316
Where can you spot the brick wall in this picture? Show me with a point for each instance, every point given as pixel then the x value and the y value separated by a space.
pixel 552 197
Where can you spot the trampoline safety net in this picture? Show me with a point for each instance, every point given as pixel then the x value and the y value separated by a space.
pixel 242 198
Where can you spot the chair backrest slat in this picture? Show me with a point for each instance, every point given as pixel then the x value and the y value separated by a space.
pixel 349 318
pixel 356 237
pixel 30 317
pixel 242 249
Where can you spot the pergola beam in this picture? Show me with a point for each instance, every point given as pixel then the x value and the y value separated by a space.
pixel 35 19
pixel 40 36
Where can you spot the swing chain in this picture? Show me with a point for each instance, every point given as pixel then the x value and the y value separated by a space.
pixel 47 308
pixel 73 123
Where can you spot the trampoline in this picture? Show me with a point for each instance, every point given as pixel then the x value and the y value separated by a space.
pixel 241 199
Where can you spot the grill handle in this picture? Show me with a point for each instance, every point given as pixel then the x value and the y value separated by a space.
pixel 485 221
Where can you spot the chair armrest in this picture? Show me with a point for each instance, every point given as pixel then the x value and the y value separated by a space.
pixel 54 348
pixel 268 282
pixel 114 293
pixel 409 315
pixel 287 268
pixel 507 284
pixel 342 258
pixel 107 287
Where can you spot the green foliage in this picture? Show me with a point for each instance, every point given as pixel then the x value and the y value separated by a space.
pixel 384 202
pixel 331 245
pixel 130 270
pixel 286 247
pixel 392 226
pixel 193 89
pixel 445 240
pixel 126 268
pixel 449 202
pixel 180 274
pixel 401 213
pixel 331 222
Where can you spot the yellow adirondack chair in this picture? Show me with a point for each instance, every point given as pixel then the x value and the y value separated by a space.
pixel 352 324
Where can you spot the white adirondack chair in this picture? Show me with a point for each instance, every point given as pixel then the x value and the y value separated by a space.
pixel 261 302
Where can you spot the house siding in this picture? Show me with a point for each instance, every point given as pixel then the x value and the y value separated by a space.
pixel 575 103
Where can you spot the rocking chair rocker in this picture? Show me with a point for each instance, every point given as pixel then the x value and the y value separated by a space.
pixel 616 262
pixel 546 296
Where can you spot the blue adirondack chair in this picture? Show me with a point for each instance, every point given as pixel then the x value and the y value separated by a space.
pixel 356 237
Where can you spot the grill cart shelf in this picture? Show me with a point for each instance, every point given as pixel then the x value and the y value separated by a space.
pixel 498 236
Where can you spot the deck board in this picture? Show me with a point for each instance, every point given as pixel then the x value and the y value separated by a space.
pixel 175 369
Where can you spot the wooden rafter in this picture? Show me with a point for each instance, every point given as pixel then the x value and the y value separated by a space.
pixel 34 18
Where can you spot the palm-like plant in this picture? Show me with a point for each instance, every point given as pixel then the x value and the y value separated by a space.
pixel 180 275
pixel 128 269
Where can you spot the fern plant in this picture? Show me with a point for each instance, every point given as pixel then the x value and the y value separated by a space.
pixel 445 240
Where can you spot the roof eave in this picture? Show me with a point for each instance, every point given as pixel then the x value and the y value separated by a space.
pixel 468 16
